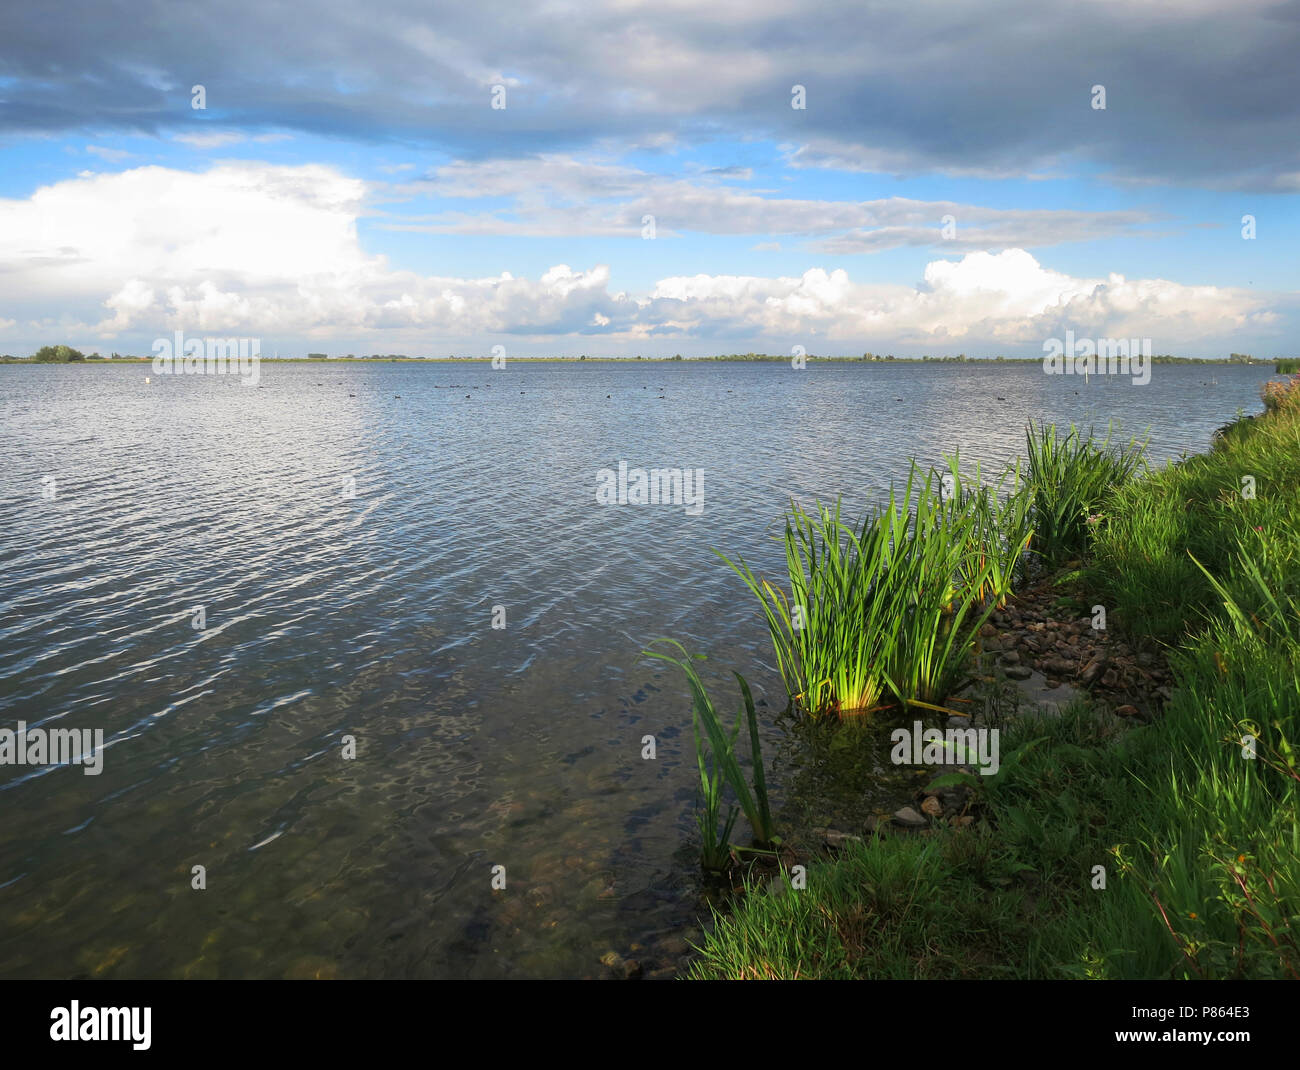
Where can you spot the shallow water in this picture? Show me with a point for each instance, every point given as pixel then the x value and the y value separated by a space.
pixel 370 615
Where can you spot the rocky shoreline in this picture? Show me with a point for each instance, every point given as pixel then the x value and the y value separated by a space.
pixel 1044 645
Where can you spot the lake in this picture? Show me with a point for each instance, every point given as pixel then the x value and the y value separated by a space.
pixel 351 534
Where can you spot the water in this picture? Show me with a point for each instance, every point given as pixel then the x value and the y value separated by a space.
pixel 370 615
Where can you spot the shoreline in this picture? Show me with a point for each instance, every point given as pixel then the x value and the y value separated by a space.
pixel 1049 861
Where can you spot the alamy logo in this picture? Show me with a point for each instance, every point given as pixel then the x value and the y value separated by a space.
pixel 1105 356
pixel 658 486
pixel 55 746
pixel 102 1023
pixel 956 746
pixel 179 355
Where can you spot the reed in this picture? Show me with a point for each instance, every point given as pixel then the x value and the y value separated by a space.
pixel 1072 478
pixel 887 612
pixel 719 763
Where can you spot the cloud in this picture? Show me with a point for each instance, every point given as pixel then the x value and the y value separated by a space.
pixel 1006 298
pixel 217 139
pixel 272 251
pixel 111 155
pixel 903 86
pixel 556 195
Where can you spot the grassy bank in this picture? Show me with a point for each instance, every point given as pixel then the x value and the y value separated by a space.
pixel 1103 850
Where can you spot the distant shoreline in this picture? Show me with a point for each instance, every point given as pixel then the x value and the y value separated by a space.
pixel 745 359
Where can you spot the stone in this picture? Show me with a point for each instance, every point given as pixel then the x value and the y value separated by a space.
pixel 1110 678
pixel 1126 711
pixel 612 959
pixel 987 630
pixel 932 806
pixel 673 946
pixel 1010 658
pixel 909 818
pixel 836 840
pixel 631 970
pixel 1018 672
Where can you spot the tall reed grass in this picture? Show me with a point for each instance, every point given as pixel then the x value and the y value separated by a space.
pixel 1073 477
pixel 719 764
pixel 886 612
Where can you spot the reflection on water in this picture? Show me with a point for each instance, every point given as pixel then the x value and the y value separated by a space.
pixel 349 533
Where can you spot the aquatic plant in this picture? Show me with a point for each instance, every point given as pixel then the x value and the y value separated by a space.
pixel 884 613
pixel 719 763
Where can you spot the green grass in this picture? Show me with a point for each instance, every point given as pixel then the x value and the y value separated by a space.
pixel 1199 845
pixel 884 612
pixel 1287 367
pixel 1073 478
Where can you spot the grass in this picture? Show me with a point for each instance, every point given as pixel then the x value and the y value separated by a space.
pixel 1198 843
pixel 1287 367
pixel 884 612
pixel 1073 479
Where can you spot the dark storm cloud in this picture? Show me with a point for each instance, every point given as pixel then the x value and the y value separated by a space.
pixel 1196 91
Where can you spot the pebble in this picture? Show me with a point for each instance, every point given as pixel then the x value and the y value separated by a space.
pixel 909 818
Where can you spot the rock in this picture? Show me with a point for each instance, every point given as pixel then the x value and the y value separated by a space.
pixel 993 644
pixel 612 959
pixel 674 945
pixel 664 973
pixel 1091 671
pixel 871 825
pixel 959 722
pixel 932 806
pixel 909 818
pixel 1018 672
pixel 631 970
pixel 835 839
pixel 1126 711
pixel 987 631
pixel 1010 658
pixel 963 821
pixel 1110 678
pixel 1057 666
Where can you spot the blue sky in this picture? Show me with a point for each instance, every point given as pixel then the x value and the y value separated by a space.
pixel 350 187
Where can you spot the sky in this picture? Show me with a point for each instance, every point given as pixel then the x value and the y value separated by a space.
pixel 654 178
